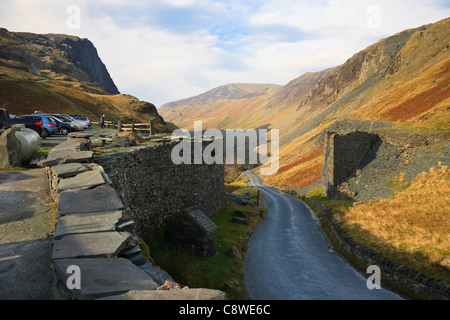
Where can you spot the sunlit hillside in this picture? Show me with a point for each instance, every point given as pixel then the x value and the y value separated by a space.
pixel 399 83
pixel 63 74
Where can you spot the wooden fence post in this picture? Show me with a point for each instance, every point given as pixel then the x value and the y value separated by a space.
pixel 132 126
pixel 119 126
pixel 151 128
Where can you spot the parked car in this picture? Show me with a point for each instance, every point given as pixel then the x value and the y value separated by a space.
pixel 6 121
pixel 64 127
pixel 67 118
pixel 83 120
pixel 48 124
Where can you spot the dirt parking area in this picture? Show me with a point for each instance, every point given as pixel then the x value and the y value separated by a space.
pixel 26 227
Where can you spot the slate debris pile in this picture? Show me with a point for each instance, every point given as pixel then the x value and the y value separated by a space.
pixel 94 234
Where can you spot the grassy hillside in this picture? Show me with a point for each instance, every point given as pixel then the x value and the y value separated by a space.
pixel 63 74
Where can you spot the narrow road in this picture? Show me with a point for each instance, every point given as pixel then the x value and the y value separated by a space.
pixel 36 71
pixel 288 257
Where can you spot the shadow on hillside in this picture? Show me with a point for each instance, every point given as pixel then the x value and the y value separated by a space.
pixel 417 261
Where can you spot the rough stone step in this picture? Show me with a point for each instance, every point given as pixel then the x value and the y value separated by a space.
pixel 86 223
pixel 103 277
pixel 88 201
pixel 84 180
pixel 56 158
pixel 68 170
pixel 91 245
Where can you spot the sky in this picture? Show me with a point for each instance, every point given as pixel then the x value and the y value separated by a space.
pixel 166 50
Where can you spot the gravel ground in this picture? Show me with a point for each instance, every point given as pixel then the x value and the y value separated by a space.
pixel 25 229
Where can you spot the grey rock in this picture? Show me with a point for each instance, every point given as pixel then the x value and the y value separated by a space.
pixel 103 277
pixel 91 245
pixel 86 223
pixel 123 142
pixel 85 180
pixel 68 156
pixel 98 142
pixel 89 201
pixel 233 251
pixel 10 150
pixel 79 135
pixel 158 275
pixel 68 170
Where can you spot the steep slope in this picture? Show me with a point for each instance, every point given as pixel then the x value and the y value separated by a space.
pixel 64 74
pixel 222 107
pixel 400 82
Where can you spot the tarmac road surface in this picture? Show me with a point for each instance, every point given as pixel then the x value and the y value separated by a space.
pixel 288 257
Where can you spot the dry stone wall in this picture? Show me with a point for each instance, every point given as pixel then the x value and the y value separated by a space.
pixel 153 188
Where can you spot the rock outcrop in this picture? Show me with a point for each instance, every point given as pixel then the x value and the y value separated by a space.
pixel 10 150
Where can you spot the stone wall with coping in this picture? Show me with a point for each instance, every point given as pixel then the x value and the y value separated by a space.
pixel 96 253
pixel 153 188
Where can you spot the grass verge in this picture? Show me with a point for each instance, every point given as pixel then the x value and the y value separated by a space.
pixel 224 270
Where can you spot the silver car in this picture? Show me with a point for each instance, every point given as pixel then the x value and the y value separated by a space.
pixel 66 118
pixel 83 120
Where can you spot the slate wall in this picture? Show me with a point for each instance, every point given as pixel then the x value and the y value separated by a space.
pixel 153 188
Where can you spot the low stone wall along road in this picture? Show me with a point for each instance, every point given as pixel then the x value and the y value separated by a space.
pixel 288 257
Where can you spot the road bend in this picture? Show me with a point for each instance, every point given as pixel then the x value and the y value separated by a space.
pixel 288 257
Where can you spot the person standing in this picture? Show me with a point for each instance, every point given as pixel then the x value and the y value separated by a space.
pixel 102 121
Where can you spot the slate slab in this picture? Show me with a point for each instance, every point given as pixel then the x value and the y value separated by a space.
pixel 158 275
pixel 86 223
pixel 67 156
pixel 68 169
pixel 85 180
pixel 89 201
pixel 103 277
pixel 79 135
pixel 91 245
pixel 75 144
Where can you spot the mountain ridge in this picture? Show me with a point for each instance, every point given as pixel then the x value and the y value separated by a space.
pixel 63 74
pixel 401 82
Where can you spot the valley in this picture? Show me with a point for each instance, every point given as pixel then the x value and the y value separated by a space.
pixel 365 144
pixel 397 86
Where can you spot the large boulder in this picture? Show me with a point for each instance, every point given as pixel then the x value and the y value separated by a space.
pixel 10 150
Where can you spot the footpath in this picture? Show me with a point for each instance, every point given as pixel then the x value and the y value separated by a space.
pixel 25 235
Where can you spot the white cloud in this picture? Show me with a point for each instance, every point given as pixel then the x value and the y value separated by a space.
pixel 165 50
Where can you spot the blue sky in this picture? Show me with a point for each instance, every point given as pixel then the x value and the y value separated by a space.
pixel 165 50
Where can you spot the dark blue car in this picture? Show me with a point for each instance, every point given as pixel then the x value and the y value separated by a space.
pixel 64 127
